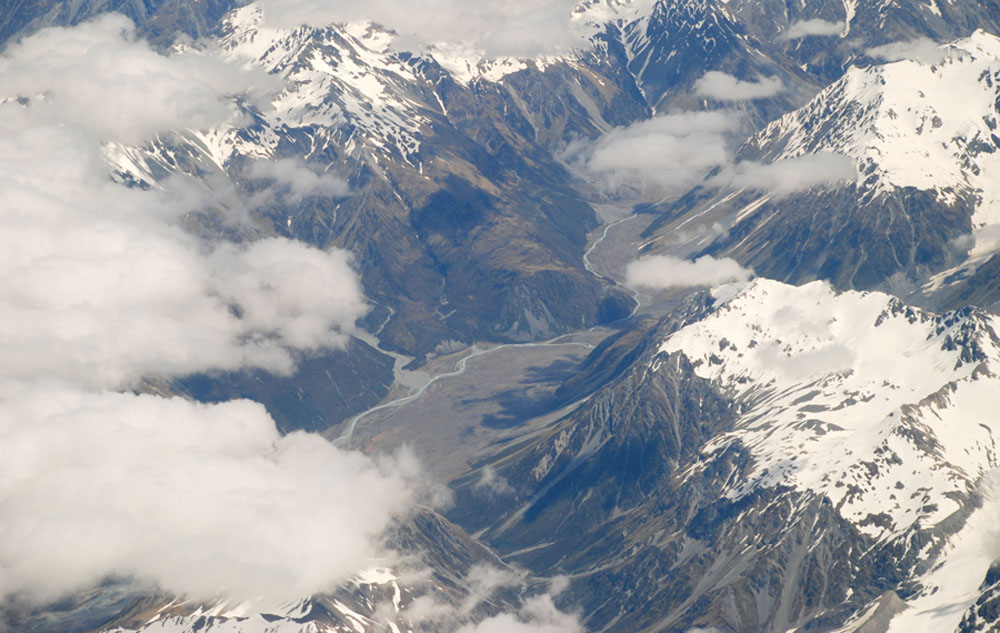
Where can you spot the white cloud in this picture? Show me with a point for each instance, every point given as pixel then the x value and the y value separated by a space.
pixel 920 49
pixel 664 154
pixel 292 181
pixel 514 27
pixel 301 297
pixel 482 582
pixel 722 87
pixel 100 286
pixel 194 498
pixel 492 483
pixel 539 615
pixel 824 360
pixel 788 175
pixel 672 153
pixel 815 27
pixel 99 76
pixel 665 271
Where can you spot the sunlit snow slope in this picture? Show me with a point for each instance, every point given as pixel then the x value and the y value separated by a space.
pixel 887 410
pixel 927 125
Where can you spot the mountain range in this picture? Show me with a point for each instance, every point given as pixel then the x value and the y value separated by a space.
pixel 808 446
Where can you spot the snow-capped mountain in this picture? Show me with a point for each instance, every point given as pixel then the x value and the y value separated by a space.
pixel 673 45
pixel 925 124
pixel 884 21
pixel 776 457
pixel 457 159
pixel 314 615
pixel 826 37
pixel 882 409
pixel 761 457
pixel 444 172
pixel 852 395
pixel 921 134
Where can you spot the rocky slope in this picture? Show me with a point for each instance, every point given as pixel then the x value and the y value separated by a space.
pixel 450 191
pixel 922 210
pixel 672 46
pixel 768 465
pixel 766 457
pixel 452 164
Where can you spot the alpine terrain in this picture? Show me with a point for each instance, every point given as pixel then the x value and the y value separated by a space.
pixel 540 316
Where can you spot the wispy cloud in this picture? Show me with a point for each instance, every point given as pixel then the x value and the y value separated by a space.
pixel 492 483
pixel 537 614
pixel 789 175
pixel 665 271
pixel 289 181
pixel 920 49
pixel 807 28
pixel 66 75
pixel 513 27
pixel 672 153
pixel 722 87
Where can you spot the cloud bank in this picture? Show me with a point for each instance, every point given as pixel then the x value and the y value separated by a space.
pixel 100 287
pixel 722 87
pixel 661 272
pixel 195 498
pixel 807 28
pixel 99 283
pixel 66 75
pixel 521 28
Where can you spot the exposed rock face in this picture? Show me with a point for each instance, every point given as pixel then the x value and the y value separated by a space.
pixel 725 487
pixel 764 459
pixel 843 31
pixel 918 213
pixel 984 615
pixel 463 223
pixel 671 48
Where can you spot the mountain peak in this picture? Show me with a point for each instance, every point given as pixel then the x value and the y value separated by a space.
pixel 842 392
